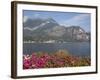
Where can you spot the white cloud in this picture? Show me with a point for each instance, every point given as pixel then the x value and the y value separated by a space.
pixel 35 15
pixel 25 18
pixel 76 19
pixel 32 16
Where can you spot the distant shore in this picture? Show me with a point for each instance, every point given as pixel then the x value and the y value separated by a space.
pixel 52 41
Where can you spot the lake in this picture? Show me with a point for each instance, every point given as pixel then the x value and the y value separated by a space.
pixel 75 48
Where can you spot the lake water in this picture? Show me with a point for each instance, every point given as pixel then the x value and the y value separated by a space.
pixel 75 48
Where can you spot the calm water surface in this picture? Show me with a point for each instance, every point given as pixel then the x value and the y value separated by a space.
pixel 75 48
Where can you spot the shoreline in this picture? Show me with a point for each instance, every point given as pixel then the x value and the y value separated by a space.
pixel 56 42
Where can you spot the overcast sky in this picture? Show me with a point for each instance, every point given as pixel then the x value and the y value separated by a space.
pixel 63 18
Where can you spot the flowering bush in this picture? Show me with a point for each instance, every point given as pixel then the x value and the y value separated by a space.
pixel 53 60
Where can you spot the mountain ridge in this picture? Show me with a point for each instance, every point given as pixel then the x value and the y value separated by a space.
pixel 40 30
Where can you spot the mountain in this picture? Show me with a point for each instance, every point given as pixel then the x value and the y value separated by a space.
pixel 77 33
pixel 42 30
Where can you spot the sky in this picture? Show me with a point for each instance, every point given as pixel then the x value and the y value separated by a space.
pixel 63 18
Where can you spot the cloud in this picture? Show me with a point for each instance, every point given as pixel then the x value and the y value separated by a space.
pixel 35 15
pixel 82 20
pixel 78 19
pixel 25 18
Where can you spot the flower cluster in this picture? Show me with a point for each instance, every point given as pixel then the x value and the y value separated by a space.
pixel 53 60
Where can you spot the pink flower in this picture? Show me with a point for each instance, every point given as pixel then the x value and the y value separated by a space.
pixel 26 63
